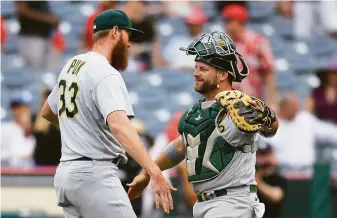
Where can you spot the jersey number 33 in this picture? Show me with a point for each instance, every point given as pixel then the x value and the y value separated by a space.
pixel 70 109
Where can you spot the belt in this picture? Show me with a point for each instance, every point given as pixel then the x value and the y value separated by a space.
pixel 114 161
pixel 205 196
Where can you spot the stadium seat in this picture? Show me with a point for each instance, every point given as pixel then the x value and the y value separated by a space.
pixel 5 97
pixel 131 79
pixel 180 100
pixel 300 57
pixel 19 77
pixel 323 46
pixel 11 46
pixel 62 9
pixel 303 87
pixel 11 61
pixel 157 120
pixel 77 19
pixel 286 80
pixel 209 8
pixel 13 28
pixel 7 9
pixel 277 44
pixel 73 43
pixel 168 27
pixel 260 11
pixel 284 27
pixel 151 98
pixel 175 80
pixel 215 26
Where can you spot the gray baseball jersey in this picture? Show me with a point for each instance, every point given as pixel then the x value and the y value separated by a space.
pixel 241 170
pixel 88 90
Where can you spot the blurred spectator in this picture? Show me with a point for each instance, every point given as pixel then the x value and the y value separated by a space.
pixel 183 199
pixel 145 48
pixel 255 49
pixel 220 5
pixel 194 22
pixel 314 17
pixel 38 24
pixel 180 8
pixel 58 42
pixel 270 183
pixel 323 100
pixel 130 170
pixel 88 31
pixel 48 139
pixel 3 35
pixel 17 140
pixel 294 142
pixel 284 8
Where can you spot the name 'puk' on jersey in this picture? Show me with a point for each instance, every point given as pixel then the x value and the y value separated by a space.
pixel 75 66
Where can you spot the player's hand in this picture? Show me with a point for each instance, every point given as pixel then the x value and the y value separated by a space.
pixel 138 185
pixel 162 192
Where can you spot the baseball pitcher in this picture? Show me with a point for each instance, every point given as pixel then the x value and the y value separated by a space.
pixel 218 135
pixel 91 105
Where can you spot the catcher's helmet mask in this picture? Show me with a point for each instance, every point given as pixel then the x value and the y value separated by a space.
pixel 218 49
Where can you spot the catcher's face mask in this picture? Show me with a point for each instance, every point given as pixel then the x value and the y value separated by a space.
pixel 218 49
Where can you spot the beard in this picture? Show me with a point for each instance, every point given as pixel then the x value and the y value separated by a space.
pixel 206 87
pixel 119 57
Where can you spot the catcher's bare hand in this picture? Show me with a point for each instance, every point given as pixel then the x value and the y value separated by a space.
pixel 138 185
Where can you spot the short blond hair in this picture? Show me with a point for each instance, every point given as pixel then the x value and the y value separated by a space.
pixel 100 35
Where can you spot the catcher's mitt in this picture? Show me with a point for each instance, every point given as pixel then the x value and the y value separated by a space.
pixel 245 116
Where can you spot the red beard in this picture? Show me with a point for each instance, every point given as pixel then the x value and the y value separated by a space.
pixel 119 59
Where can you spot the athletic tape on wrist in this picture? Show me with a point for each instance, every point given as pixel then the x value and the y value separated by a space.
pixel 172 154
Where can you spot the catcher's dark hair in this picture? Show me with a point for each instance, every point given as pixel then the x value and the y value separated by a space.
pixel 100 35
pixel 230 78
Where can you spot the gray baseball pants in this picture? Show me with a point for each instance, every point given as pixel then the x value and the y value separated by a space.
pixel 238 203
pixel 91 189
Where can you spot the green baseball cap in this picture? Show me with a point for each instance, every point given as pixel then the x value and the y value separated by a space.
pixel 110 18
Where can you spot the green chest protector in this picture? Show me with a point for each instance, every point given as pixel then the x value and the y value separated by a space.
pixel 207 153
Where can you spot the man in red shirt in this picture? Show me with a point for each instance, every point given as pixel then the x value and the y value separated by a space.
pixel 3 35
pixel 256 50
pixel 88 32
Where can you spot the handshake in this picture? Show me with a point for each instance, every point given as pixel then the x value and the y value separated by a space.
pixel 160 186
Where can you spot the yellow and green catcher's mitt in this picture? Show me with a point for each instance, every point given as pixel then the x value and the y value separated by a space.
pixel 245 116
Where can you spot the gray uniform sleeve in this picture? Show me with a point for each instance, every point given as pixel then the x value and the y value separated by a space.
pixel 111 95
pixel 53 99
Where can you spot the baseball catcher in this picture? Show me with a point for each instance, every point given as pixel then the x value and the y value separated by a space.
pixel 218 135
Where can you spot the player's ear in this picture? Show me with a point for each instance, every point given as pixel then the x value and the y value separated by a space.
pixel 115 33
pixel 222 75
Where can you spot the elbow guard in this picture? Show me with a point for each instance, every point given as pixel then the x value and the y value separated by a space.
pixel 172 154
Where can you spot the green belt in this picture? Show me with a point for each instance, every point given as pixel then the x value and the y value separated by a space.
pixel 205 196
